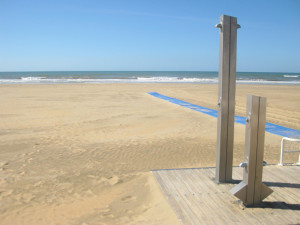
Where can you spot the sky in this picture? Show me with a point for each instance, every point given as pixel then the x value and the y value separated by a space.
pixel 144 35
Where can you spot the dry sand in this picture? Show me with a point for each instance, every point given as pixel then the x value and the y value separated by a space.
pixel 81 153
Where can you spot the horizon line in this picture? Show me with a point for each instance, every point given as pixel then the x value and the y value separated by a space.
pixel 19 71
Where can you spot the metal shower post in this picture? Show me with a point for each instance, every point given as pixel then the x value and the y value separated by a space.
pixel 226 102
pixel 252 190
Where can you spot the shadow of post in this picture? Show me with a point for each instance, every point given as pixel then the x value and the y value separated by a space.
pixel 277 205
pixel 274 184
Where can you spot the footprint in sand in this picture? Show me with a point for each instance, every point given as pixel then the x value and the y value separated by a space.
pixel 3 164
pixel 89 193
pixel 114 180
pixel 128 198
pixel 29 160
pixel 5 193
pixel 111 180
pixel 106 213
pixel 27 197
pixel 37 184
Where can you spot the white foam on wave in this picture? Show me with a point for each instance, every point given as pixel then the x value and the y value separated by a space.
pixel 43 80
pixel 32 78
pixel 175 80
pixel 258 81
pixel 294 76
pixel 27 80
pixel 153 79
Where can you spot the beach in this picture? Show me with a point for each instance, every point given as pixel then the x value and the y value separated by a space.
pixel 82 153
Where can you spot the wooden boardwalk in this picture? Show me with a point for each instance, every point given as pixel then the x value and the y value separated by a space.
pixel 197 199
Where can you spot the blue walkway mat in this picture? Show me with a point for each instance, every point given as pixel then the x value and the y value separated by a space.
pixel 271 128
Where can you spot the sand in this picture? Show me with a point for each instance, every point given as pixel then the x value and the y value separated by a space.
pixel 82 153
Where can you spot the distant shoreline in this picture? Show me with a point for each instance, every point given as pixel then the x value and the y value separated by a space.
pixel 198 77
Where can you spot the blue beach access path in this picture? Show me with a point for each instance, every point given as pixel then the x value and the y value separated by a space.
pixel 271 128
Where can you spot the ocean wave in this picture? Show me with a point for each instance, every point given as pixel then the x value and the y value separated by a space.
pixel 32 78
pixel 294 76
pixel 177 79
pixel 270 82
pixel 161 79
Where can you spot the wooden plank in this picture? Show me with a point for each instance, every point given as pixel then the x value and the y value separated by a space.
pixel 208 199
pixel 217 203
pixel 197 199
pixel 167 185
pixel 164 185
pixel 192 202
pixel 223 201
pixel 287 194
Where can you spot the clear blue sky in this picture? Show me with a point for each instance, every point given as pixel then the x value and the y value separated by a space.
pixel 151 35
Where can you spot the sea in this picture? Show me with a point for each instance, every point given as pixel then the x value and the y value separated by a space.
pixel 199 77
